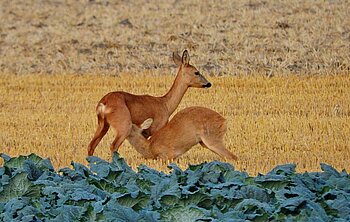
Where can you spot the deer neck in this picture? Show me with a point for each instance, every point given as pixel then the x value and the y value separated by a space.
pixel 140 143
pixel 173 98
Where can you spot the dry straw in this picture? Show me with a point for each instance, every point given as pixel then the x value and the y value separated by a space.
pixel 280 118
pixel 271 121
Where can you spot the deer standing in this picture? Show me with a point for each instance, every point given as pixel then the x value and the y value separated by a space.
pixel 121 109
pixel 187 128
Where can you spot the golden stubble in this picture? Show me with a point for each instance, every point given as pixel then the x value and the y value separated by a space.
pixel 283 119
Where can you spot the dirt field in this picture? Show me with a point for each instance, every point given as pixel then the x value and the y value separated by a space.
pixel 224 37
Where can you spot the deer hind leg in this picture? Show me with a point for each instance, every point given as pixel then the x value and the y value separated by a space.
pixel 167 156
pixel 101 130
pixel 121 123
pixel 217 146
pixel 203 145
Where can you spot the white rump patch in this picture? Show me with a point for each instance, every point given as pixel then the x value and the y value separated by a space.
pixel 102 109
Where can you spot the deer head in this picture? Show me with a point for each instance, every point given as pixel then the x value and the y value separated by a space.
pixel 190 74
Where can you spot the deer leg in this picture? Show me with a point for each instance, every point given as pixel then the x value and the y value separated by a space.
pixel 218 147
pixel 117 142
pixel 101 130
pixel 121 123
pixel 167 156
pixel 203 145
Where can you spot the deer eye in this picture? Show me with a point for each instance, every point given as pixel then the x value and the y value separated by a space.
pixel 197 73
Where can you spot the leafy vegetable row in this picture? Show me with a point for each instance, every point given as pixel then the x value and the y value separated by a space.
pixel 31 190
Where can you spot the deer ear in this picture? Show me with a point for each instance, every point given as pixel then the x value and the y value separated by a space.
pixel 147 123
pixel 185 58
pixel 177 59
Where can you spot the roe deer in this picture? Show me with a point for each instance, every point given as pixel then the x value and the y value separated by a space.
pixel 121 109
pixel 187 128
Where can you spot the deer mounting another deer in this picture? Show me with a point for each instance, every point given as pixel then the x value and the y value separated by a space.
pixel 187 128
pixel 121 109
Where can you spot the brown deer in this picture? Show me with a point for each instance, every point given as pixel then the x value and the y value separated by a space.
pixel 121 109
pixel 187 128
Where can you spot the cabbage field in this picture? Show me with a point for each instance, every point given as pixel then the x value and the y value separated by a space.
pixel 32 190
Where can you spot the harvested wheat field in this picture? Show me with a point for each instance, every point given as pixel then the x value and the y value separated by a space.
pixel 299 119
pixel 279 71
